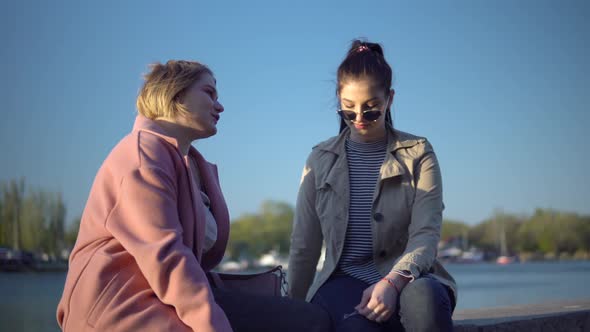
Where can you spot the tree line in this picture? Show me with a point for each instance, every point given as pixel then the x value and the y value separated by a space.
pixel 546 233
pixel 34 220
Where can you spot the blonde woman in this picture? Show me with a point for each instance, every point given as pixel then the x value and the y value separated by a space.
pixel 156 222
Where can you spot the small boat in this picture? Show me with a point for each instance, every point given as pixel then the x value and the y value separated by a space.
pixel 503 260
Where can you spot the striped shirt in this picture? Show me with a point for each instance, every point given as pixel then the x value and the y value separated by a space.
pixel 364 164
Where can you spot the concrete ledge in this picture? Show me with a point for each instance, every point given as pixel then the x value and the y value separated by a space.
pixel 546 317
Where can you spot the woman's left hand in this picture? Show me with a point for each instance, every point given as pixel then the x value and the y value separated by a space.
pixel 378 302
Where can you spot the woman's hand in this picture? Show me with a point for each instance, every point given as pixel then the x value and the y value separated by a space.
pixel 378 302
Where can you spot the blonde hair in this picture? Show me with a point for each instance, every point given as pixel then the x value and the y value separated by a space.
pixel 165 85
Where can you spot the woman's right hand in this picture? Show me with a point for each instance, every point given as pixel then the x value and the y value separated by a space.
pixel 378 302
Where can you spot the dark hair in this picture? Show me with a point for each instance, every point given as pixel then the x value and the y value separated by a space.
pixel 365 60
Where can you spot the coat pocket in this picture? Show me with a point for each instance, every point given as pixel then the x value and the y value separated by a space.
pixel 101 302
pixel 103 299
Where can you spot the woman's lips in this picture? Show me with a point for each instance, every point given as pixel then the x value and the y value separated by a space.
pixel 360 125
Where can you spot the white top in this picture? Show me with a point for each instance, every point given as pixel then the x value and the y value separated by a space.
pixel 210 223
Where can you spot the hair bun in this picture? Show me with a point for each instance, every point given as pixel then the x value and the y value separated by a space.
pixel 359 46
pixel 375 48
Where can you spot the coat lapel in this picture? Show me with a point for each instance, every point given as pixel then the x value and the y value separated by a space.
pixel 197 237
pixel 209 178
pixel 194 230
pixel 338 183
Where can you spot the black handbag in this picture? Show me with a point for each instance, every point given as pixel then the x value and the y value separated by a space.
pixel 272 282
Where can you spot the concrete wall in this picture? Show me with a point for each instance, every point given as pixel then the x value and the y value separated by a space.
pixel 545 317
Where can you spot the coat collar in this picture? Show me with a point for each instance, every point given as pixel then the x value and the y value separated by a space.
pixel 395 140
pixel 143 123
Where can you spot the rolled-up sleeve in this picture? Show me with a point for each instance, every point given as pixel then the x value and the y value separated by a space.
pixel 145 221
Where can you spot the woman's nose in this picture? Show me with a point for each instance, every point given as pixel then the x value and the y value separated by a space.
pixel 219 108
pixel 359 117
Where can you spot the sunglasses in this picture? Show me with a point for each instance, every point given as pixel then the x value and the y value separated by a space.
pixel 369 115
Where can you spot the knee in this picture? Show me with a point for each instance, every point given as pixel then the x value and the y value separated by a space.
pixel 425 306
pixel 319 320
pixel 421 290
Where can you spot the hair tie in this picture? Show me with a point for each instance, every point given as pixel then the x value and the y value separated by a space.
pixel 362 48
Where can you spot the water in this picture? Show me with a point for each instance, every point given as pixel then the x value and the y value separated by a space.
pixel 491 285
pixel 28 300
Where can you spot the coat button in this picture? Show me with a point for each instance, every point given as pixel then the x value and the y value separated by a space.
pixel 378 217
pixel 382 253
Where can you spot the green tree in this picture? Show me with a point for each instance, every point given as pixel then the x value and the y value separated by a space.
pixel 498 233
pixel 453 229
pixel 252 235
pixel 12 194
pixel 55 224
pixel 550 231
pixel 32 222
pixel 71 233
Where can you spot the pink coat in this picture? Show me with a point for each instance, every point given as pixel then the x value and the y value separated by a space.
pixel 138 262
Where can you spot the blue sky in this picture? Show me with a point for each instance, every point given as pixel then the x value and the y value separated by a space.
pixel 500 88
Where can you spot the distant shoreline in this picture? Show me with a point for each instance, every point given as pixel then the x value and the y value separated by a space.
pixel 63 266
pixel 36 267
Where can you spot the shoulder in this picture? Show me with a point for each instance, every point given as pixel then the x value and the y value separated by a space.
pixel 143 149
pixel 411 145
pixel 326 143
pixel 154 150
pixel 324 149
pixel 408 138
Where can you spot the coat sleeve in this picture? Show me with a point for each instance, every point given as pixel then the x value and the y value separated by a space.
pixel 306 238
pixel 426 219
pixel 145 220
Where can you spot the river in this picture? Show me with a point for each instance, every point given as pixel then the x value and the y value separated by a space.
pixel 28 300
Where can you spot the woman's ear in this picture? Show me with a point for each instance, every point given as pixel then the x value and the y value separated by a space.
pixel 390 98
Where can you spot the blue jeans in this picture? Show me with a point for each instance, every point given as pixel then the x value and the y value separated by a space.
pixel 424 305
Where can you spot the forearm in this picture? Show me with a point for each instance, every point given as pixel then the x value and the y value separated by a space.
pixel 418 257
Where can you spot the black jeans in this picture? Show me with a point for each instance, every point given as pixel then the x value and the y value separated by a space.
pixel 257 313
pixel 424 305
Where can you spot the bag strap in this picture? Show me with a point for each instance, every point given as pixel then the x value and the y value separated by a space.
pixel 284 283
